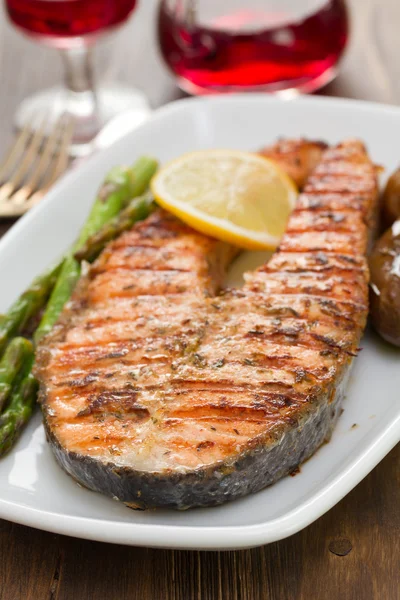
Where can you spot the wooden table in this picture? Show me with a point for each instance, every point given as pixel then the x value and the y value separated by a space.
pixel 351 553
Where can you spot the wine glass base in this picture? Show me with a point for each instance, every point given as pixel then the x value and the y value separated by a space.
pixel 112 99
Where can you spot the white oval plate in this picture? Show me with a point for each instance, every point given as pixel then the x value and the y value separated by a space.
pixel 36 492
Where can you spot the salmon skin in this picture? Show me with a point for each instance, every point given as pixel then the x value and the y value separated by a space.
pixel 160 393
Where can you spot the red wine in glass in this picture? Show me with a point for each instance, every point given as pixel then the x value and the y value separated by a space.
pixel 59 20
pixel 256 45
pixel 72 26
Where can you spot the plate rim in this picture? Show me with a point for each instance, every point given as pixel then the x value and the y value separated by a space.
pixel 207 537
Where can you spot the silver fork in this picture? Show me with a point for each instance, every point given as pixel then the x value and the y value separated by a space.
pixel 34 162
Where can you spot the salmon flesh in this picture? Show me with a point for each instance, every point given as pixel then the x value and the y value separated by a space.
pixel 159 392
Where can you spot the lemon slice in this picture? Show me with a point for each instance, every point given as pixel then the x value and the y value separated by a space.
pixel 238 197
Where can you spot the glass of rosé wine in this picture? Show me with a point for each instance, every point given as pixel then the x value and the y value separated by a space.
pixel 73 27
pixel 252 45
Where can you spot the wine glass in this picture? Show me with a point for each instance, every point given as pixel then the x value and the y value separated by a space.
pixel 252 45
pixel 73 27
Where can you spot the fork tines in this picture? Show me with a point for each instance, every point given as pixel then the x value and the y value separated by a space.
pixel 36 159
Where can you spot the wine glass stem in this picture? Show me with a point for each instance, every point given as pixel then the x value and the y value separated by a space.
pixel 81 92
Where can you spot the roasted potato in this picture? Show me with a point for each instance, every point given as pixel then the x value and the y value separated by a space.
pixel 391 200
pixel 384 265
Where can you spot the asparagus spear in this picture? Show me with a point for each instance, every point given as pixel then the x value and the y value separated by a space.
pixel 137 210
pixel 62 291
pixel 14 357
pixel 20 407
pixel 27 305
pixel 120 185
pixel 143 170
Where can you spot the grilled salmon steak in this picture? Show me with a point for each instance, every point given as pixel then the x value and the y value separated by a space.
pixel 158 392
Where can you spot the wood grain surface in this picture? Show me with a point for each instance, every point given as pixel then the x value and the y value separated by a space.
pixel 352 552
